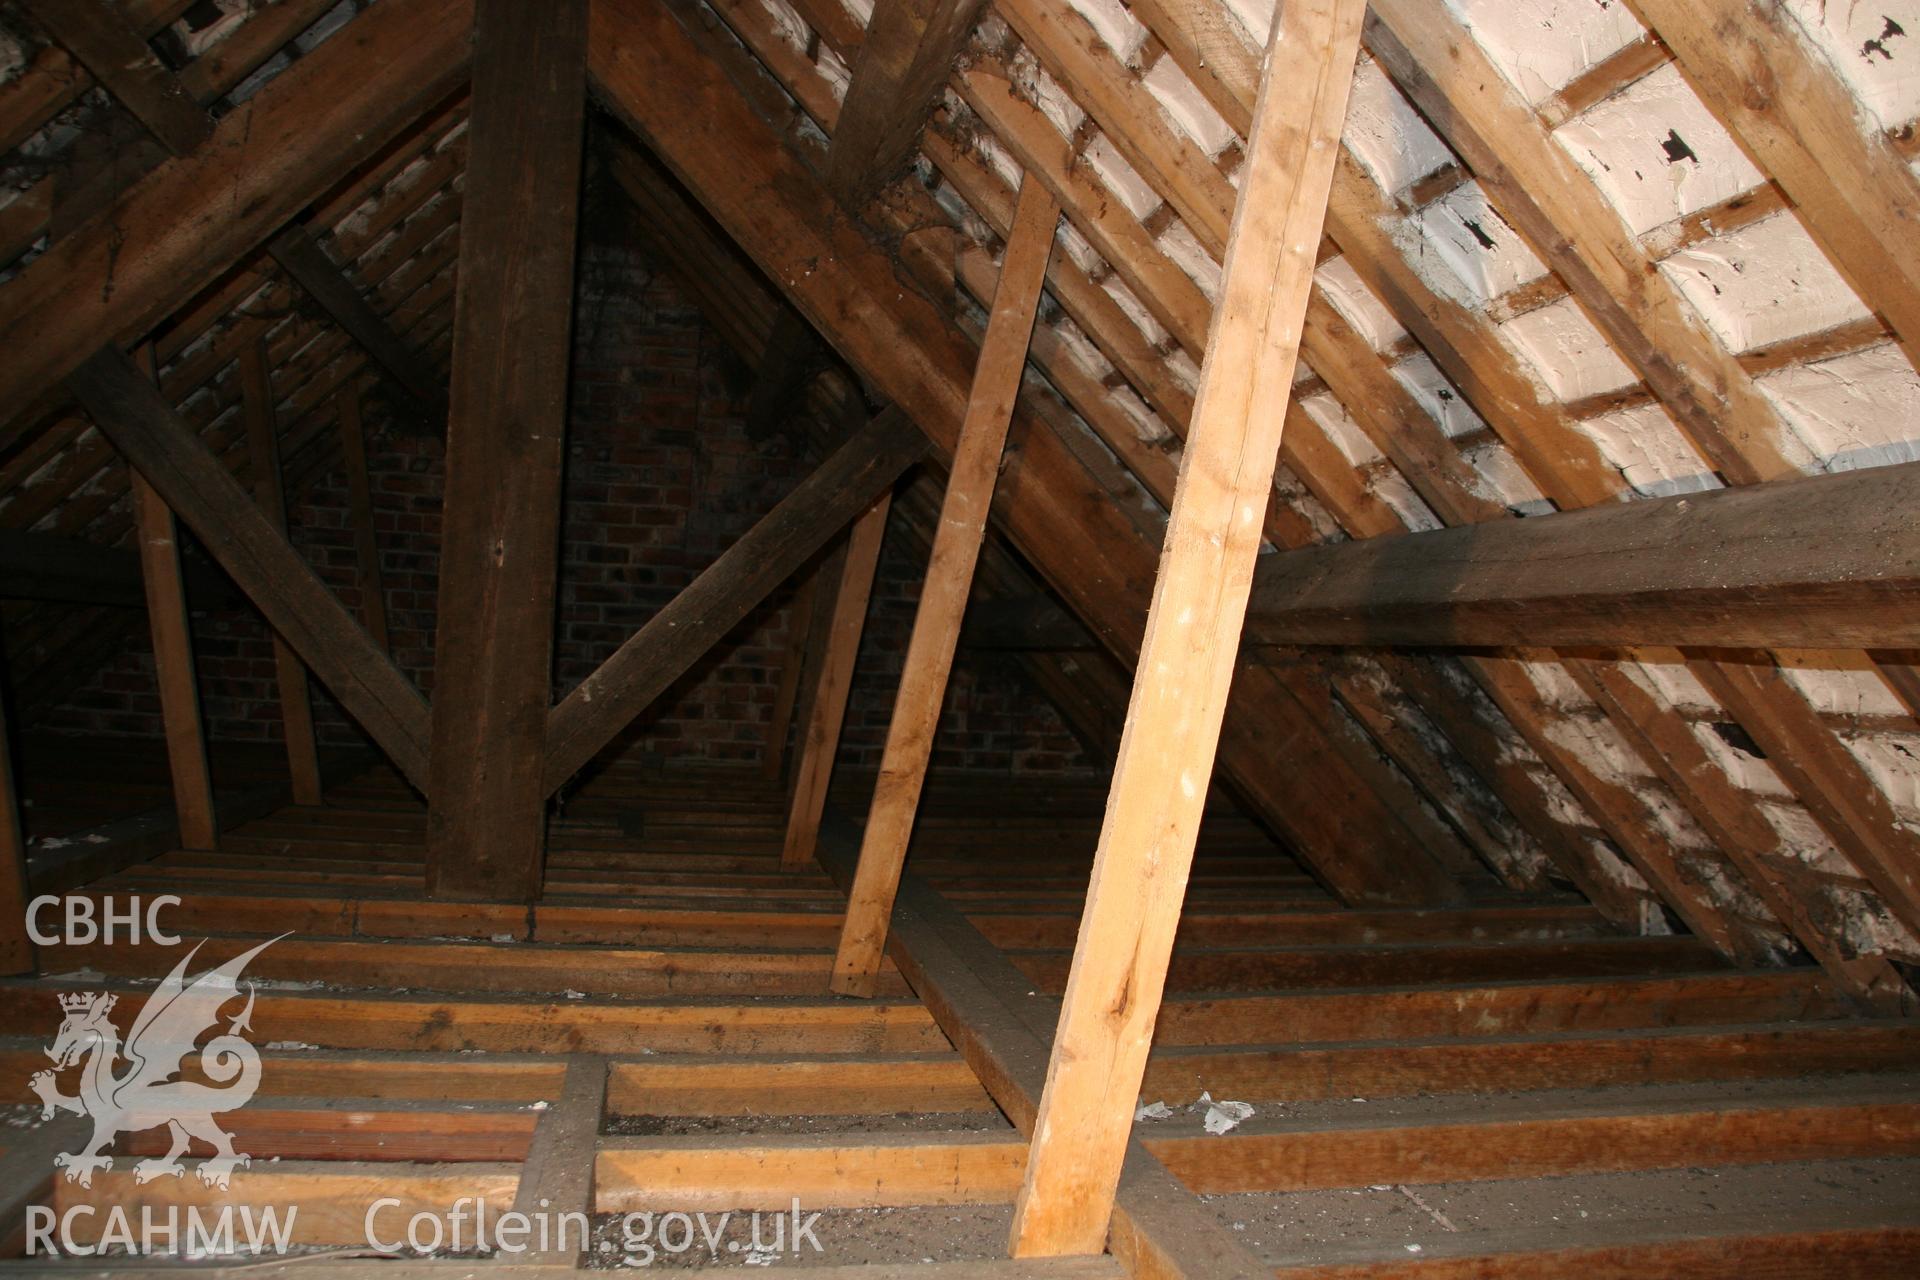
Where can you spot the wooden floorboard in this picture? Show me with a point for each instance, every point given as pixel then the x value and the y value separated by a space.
pixel 429 1049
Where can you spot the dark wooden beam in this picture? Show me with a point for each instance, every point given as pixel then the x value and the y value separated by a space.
pixel 197 214
pixel 46 566
pixel 270 493
pixel 1821 562
pixel 796 660
pixel 96 34
pixel 660 652
pixel 421 395
pixel 1794 563
pixel 908 51
pixel 911 48
pixel 506 445
pixel 1029 624
pixel 163 448
pixel 366 544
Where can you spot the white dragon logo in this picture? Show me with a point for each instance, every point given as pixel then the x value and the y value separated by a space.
pixel 146 1096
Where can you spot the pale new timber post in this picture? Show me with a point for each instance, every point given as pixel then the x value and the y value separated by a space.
pixel 943 597
pixel 263 447
pixel 1193 633
pixel 159 543
pixel 506 435
pixel 16 948
pixel 366 546
pixel 826 701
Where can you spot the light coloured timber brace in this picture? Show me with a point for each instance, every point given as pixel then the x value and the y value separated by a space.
pixel 1187 661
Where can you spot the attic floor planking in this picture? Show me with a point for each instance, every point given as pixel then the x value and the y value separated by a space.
pixel 1498 1090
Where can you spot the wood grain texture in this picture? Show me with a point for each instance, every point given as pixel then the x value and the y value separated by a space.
pixel 173 668
pixel 1187 660
pixel 935 638
pixel 302 258
pixel 909 49
pixel 1821 561
pixel 1758 72
pixel 506 445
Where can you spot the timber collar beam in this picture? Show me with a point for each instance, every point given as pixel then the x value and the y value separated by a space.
pixel 1825 562
pixel 1812 563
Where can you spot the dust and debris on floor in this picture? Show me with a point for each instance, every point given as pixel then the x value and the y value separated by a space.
pixel 1279 1226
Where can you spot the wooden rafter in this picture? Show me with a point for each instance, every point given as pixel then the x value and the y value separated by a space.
pixel 1855 193
pixel 197 214
pixel 907 49
pixel 1069 48
pixel 173 668
pixel 1547 197
pixel 1833 785
pixel 53 82
pixel 96 34
pixel 302 258
pixel 366 543
pixel 1561 212
pixel 1739 830
pixel 1539 430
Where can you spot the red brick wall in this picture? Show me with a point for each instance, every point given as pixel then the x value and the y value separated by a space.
pixel 661 478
